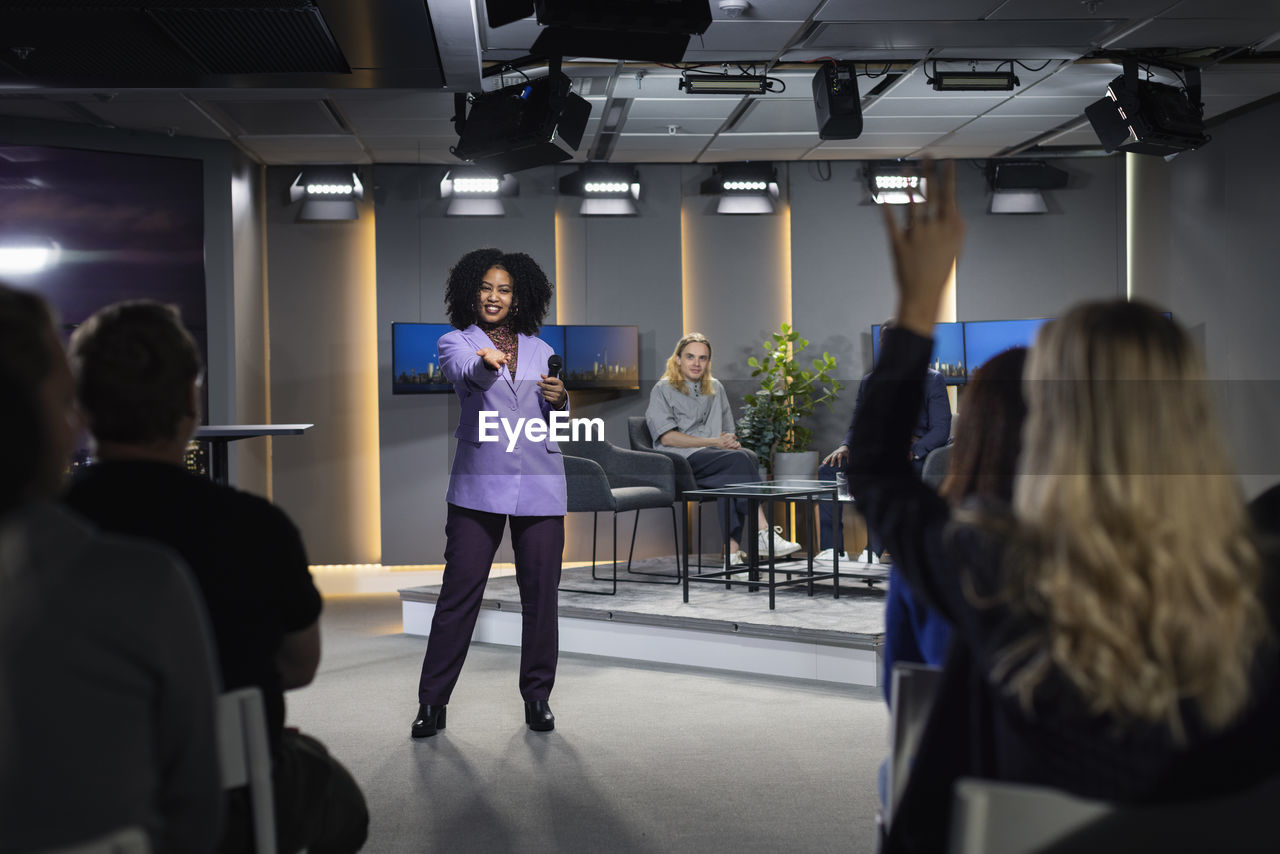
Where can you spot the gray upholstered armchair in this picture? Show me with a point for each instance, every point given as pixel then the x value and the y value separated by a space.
pixel 638 432
pixel 603 477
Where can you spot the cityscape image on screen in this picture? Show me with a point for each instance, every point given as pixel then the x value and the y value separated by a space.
pixel 601 357
pixel 415 363
pixel 948 356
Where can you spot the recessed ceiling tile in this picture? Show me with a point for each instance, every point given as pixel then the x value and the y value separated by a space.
pixel 171 114
pixel 937 104
pixel 744 38
pixel 705 127
pixel 1116 10
pixel 935 125
pixel 917 10
pixel 899 141
pixel 1223 9
pixel 1083 136
pixel 919 37
pixel 768 10
pixel 777 116
pixel 1027 105
pixel 684 107
pixel 687 143
pixel 645 83
pixel 1198 33
pixel 305 149
pixel 363 105
pixel 1006 126
pixel 1216 106
pixel 279 117
pixel 737 154
pixel 38 108
pixel 829 151
pixel 959 152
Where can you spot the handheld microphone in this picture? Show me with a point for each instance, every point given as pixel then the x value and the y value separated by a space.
pixel 554 363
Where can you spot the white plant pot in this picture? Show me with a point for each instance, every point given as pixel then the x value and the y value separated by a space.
pixel 800 466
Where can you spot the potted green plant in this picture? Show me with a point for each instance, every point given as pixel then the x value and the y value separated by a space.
pixel 771 422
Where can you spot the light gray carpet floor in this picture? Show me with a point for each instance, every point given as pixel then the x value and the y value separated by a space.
pixel 858 612
pixel 643 758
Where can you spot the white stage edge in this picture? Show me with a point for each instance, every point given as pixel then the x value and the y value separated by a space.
pixel 796 659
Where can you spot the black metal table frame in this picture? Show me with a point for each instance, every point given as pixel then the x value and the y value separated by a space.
pixel 754 494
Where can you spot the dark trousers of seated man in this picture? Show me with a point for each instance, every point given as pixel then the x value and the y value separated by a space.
pixel 713 467
pixel 827 508
pixel 318 805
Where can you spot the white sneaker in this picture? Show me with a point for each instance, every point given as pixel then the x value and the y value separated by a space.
pixel 735 559
pixel 827 555
pixel 781 547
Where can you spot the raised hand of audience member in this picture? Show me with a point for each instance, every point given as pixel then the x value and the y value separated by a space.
pixel 925 248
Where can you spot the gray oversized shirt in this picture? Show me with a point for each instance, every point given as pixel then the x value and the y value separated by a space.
pixel 697 414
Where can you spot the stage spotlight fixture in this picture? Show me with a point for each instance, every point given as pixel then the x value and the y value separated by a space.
pixel 328 193
pixel 835 99
pixel 744 188
pixel 651 30
pixel 26 256
pixel 889 186
pixel 472 192
pixel 607 190
pixel 532 123
pixel 1145 117
pixel 1017 185
pixel 723 84
pixel 973 81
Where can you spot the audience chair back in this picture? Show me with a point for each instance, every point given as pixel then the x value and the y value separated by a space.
pixel 244 754
pixel 911 691
pixel 935 466
pixel 600 476
pixel 990 817
pixel 128 840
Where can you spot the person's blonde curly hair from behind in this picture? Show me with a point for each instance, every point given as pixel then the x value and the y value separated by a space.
pixel 1134 549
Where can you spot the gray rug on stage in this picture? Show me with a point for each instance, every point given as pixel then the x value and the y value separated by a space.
pixel 857 616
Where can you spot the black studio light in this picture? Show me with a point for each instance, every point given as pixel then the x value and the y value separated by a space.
pixel 1017 186
pixel 532 123
pixel 1146 117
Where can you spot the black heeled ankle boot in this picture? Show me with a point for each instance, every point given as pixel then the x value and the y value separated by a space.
pixel 430 719
pixel 537 714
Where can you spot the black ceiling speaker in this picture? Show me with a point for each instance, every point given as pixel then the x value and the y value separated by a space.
pixel 532 123
pixel 835 98
pixel 1149 118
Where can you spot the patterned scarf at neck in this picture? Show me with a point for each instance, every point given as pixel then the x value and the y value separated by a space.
pixel 504 338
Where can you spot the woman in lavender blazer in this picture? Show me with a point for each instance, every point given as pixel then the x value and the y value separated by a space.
pixel 502 471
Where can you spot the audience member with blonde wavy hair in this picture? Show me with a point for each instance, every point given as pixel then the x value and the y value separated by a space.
pixel 1112 621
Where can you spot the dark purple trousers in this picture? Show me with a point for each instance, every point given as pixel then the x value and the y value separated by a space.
pixel 472 538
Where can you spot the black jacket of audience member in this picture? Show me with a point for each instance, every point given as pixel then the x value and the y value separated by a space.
pixel 247 558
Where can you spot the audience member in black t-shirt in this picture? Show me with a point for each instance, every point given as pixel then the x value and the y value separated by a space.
pixel 137 373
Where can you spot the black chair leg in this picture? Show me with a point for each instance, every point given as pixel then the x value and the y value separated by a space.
pixel 612 592
pixel 635 527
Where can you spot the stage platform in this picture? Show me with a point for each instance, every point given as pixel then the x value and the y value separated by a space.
pixel 819 637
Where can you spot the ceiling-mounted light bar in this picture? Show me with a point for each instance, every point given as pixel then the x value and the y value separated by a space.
pixel 328 193
pixel 743 188
pixel 472 192
pixel 724 84
pixel 607 189
pixel 973 81
pixel 889 186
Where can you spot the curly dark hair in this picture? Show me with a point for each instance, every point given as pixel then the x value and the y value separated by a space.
pixel 532 289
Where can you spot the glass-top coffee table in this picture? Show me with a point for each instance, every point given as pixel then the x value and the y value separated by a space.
pixel 810 492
